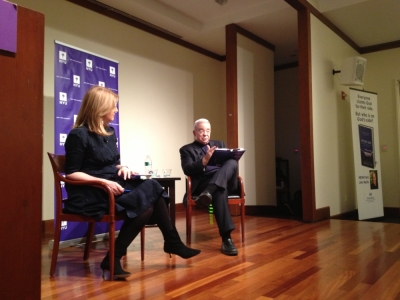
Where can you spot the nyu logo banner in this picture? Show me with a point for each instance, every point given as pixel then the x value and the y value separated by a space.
pixel 8 26
pixel 75 71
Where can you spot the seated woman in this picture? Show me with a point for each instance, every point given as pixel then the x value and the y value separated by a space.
pixel 92 153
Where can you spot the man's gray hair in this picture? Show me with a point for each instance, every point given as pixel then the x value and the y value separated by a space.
pixel 200 121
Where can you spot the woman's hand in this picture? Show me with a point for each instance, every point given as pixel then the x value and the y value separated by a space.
pixel 125 172
pixel 115 187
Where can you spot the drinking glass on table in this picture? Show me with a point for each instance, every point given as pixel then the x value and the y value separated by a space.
pixel 166 172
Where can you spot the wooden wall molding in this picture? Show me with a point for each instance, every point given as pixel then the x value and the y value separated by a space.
pixel 125 18
pixel 380 47
pixel 304 4
pixel 120 16
pixel 254 38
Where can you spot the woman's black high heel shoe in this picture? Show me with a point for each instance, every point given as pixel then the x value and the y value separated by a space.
pixel 174 245
pixel 118 271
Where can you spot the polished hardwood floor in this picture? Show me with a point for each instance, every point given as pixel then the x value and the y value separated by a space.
pixel 280 259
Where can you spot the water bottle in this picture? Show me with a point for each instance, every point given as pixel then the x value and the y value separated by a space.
pixel 147 164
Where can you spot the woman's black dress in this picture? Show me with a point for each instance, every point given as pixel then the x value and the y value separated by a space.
pixel 98 156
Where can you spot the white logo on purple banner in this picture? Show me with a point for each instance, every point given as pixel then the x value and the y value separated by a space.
pixel 89 65
pixel 63 138
pixel 63 98
pixel 64 225
pixel 77 81
pixel 112 71
pixel 102 83
pixel 62 57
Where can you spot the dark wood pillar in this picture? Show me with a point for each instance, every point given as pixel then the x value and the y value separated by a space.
pixel 306 125
pixel 21 92
pixel 231 86
pixel 231 94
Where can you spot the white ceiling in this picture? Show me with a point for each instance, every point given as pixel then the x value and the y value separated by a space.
pixel 202 22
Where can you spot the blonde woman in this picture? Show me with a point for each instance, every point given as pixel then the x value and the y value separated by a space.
pixel 92 153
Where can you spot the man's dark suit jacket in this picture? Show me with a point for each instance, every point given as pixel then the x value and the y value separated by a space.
pixel 191 155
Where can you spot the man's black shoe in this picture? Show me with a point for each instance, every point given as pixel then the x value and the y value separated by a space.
pixel 228 248
pixel 204 199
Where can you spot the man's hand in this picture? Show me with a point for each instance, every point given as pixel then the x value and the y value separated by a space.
pixel 209 153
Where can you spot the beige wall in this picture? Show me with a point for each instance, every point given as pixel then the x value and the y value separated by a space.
pixel 163 88
pixel 381 77
pixel 333 151
pixel 256 121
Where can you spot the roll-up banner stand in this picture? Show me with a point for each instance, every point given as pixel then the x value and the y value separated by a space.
pixel 367 161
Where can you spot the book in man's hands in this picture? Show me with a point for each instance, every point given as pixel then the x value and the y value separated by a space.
pixel 221 155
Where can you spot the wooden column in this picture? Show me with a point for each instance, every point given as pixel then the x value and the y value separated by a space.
pixel 231 94
pixel 21 92
pixel 306 125
pixel 231 86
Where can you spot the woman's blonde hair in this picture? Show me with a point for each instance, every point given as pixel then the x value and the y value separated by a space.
pixel 97 102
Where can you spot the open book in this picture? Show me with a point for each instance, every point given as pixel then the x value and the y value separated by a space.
pixel 221 155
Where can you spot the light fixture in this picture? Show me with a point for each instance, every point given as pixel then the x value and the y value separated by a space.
pixel 221 2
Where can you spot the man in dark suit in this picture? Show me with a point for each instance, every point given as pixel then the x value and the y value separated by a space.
pixel 211 183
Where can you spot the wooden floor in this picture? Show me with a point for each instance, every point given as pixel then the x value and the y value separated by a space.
pixel 280 259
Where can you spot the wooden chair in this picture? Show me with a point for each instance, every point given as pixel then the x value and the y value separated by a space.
pixel 232 199
pixel 58 165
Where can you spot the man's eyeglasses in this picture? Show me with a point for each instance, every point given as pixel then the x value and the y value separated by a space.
pixel 202 131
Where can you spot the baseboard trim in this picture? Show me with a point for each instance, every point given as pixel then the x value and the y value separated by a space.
pixel 392 212
pixel 322 213
pixel 48 230
pixel 349 215
pixel 80 242
pixel 47 227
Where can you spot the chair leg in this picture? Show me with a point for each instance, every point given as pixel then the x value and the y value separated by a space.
pixel 56 246
pixel 111 251
pixel 89 240
pixel 142 237
pixel 242 220
pixel 188 224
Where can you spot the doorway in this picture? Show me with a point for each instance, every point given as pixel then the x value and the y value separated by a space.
pixel 287 142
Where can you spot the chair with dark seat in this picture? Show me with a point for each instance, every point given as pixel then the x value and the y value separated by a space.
pixel 58 165
pixel 238 199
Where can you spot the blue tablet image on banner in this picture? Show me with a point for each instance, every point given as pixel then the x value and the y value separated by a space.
pixel 366 135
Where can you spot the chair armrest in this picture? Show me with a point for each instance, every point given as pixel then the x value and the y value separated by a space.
pixel 97 184
pixel 241 187
pixel 188 186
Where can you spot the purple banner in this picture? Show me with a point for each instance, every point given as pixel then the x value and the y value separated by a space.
pixel 8 26
pixel 75 71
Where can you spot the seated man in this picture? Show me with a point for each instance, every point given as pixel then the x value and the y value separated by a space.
pixel 212 183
